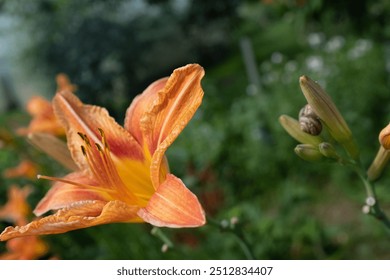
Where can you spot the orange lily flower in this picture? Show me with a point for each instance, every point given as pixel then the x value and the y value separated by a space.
pixel 25 168
pixel 43 118
pixel 26 248
pixel 124 175
pixel 41 110
pixel 16 209
pixel 63 83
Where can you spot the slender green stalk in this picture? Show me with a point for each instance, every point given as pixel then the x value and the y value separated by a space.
pixel 238 234
pixel 372 202
pixel 161 235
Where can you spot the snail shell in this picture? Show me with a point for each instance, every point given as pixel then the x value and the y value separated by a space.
pixel 309 121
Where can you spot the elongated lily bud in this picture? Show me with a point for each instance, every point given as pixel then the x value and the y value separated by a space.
pixel 293 128
pixel 328 150
pixel 382 157
pixel 308 152
pixel 378 164
pixel 53 147
pixel 327 111
pixel 384 137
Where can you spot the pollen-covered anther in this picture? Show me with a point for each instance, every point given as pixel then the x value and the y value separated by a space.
pixel 104 140
pixel 83 151
pixel 102 167
pixel 98 147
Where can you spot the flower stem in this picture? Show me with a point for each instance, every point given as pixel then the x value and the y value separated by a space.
pixel 232 228
pixel 372 203
pixel 161 235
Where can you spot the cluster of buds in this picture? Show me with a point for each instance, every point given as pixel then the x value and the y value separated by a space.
pixel 318 115
pixel 321 129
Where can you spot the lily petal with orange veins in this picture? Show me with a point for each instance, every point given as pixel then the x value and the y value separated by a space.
pixel 124 175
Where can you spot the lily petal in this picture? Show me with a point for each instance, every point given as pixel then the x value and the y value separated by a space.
pixel 173 205
pixel 78 215
pixel 139 105
pixel 162 112
pixel 109 152
pixel 53 147
pixel 62 194
pixel 87 119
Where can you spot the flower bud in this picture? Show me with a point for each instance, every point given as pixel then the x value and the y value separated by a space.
pixel 293 128
pixel 327 111
pixel 379 163
pixel 328 150
pixel 384 137
pixel 308 152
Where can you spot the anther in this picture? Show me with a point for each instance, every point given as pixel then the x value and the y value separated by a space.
pixel 81 135
pixel 104 140
pixel 86 140
pixel 101 132
pixel 98 147
pixel 83 151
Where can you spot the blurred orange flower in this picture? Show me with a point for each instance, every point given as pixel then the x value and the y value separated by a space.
pixel 25 169
pixel 25 248
pixel 124 174
pixel 43 118
pixel 63 83
pixel 16 211
pixel 41 111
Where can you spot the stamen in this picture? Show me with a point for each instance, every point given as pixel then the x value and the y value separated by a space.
pixel 103 190
pixel 110 168
pixel 91 160
pixel 86 140
pixel 104 140
pixel 83 151
pixel 101 132
pixel 98 147
pixel 103 167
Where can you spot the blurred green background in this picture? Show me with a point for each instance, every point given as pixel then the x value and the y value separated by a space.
pixel 234 155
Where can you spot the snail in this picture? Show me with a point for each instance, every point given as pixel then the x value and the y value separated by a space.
pixel 309 121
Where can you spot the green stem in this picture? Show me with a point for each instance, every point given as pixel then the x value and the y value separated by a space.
pixel 161 235
pixel 372 200
pixel 238 234
pixel 367 185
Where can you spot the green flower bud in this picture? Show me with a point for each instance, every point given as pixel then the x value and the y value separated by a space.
pixel 327 111
pixel 293 128
pixel 308 152
pixel 328 150
pixel 379 163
